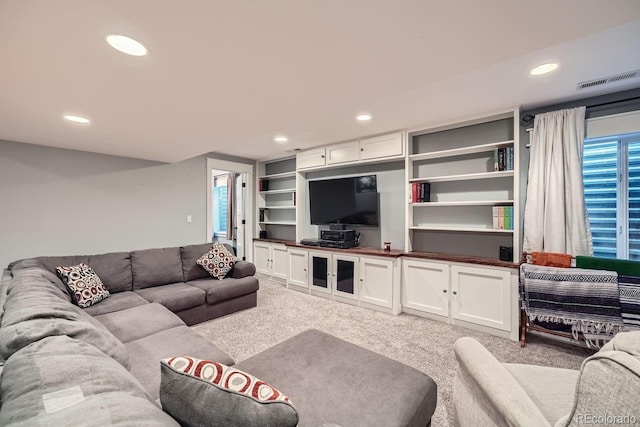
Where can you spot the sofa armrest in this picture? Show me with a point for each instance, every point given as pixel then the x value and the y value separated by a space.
pixel 486 394
pixel 242 269
pixel 607 388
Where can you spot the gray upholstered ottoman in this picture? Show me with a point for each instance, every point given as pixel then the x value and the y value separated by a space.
pixel 333 382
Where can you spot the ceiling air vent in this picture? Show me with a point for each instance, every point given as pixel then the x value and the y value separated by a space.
pixel 611 79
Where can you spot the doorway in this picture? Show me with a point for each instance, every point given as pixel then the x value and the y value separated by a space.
pixel 229 205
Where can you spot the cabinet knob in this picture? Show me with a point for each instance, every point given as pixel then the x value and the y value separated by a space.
pixel 322 156
pixel 444 290
pixel 304 269
pixel 454 292
pixel 361 148
pixel 362 280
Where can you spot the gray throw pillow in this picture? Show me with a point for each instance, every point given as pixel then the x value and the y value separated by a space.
pixel 204 393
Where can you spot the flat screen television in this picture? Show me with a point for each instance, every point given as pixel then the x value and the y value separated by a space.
pixel 352 201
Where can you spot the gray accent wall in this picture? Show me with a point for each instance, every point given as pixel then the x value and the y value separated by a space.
pixel 391 184
pixel 65 202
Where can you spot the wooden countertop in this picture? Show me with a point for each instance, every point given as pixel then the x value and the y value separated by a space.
pixel 360 250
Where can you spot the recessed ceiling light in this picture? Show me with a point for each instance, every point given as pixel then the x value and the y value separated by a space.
pixel 76 119
pixel 363 117
pixel 280 138
pixel 544 69
pixel 126 45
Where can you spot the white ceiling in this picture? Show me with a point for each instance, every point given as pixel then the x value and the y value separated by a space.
pixel 227 76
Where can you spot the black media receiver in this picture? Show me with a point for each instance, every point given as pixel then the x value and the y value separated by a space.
pixel 338 234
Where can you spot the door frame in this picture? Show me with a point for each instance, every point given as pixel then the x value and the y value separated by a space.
pixel 248 169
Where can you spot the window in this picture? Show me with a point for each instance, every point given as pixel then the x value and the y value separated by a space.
pixel 611 175
pixel 220 206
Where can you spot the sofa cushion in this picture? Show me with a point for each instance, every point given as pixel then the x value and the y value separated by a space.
pixel 176 297
pixel 381 391
pixel 86 287
pixel 116 302
pixel 189 255
pixel 229 288
pixel 146 354
pixel 36 308
pixel 551 389
pixel 204 392
pixel 62 381
pixel 218 261
pixel 139 322
pixel 155 267
pixel 113 268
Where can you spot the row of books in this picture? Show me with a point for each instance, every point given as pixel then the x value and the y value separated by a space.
pixel 263 185
pixel 503 159
pixel 503 217
pixel 420 192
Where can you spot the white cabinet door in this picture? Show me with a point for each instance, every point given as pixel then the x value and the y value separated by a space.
pixel 298 268
pixel 481 295
pixel 320 271
pixel 262 257
pixel 381 146
pixel 279 261
pixel 341 153
pixel 310 158
pixel 344 272
pixel 376 281
pixel 425 286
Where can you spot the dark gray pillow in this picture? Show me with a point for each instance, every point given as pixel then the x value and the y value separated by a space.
pixel 36 308
pixel 189 255
pixel 204 393
pixel 62 381
pixel 156 267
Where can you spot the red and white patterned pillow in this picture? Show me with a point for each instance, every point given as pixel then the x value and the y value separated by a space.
pixel 85 285
pixel 203 392
pixel 226 377
pixel 218 261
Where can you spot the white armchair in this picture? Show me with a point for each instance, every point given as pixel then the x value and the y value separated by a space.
pixel 490 393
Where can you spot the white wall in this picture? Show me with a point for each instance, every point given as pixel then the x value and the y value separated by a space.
pixel 65 202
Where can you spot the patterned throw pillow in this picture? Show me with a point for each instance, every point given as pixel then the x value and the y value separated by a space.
pixel 218 261
pixel 85 285
pixel 203 392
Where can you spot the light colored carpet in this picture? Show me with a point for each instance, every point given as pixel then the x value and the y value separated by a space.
pixel 425 344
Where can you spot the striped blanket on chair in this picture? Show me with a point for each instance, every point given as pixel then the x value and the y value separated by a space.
pixel 588 300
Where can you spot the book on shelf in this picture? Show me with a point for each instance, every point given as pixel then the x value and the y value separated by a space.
pixel 261 215
pixel 502 217
pixel 420 192
pixel 503 159
pixel 263 185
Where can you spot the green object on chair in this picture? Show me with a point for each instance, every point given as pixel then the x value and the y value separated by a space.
pixel 622 266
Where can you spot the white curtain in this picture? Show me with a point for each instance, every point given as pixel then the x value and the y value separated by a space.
pixel 555 214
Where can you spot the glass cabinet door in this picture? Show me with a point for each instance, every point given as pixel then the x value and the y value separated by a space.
pixel 345 276
pixel 320 270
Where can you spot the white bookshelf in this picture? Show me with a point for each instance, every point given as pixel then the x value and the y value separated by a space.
pixel 457 162
pixel 276 199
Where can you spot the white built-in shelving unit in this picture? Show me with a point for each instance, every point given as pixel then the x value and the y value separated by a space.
pixel 276 199
pixel 457 161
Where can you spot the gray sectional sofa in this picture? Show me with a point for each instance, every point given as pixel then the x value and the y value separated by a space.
pixel 65 365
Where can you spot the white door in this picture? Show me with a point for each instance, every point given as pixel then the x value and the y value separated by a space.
pixel 376 281
pixel 298 268
pixel 340 153
pixel 241 194
pixel 279 261
pixel 425 286
pixel 381 146
pixel 482 296
pixel 262 257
